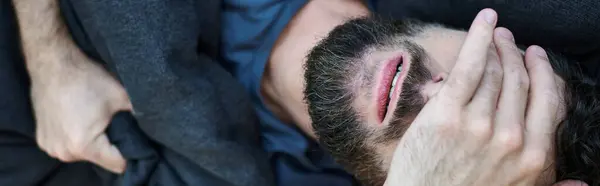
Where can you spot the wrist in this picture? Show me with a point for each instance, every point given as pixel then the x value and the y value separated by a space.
pixel 51 67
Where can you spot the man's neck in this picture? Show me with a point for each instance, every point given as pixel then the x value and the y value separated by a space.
pixel 282 81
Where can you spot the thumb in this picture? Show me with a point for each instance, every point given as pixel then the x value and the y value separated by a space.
pixel 123 103
pixel 118 97
pixel 570 183
pixel 106 155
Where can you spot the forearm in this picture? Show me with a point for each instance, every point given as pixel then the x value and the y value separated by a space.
pixel 45 38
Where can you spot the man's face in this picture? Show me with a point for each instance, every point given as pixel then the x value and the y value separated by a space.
pixel 367 81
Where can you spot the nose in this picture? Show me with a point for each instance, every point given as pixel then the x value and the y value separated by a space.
pixel 432 87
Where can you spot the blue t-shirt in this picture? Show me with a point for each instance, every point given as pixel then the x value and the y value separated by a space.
pixel 249 31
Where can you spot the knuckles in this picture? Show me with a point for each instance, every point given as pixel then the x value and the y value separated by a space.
pixel 518 78
pixel 533 162
pixel 509 48
pixel 480 130
pixel 454 126
pixel 75 146
pixel 496 73
pixel 64 151
pixel 508 140
pixel 449 126
pixel 522 82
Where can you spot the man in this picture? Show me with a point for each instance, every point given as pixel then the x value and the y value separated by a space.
pixel 421 55
pixel 272 74
pixel 105 37
pixel 184 132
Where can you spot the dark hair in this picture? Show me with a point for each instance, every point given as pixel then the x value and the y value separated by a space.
pixel 577 139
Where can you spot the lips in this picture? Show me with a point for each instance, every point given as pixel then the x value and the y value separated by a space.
pixel 391 80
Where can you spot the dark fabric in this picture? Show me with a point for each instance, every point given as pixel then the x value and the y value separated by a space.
pixel 568 27
pixel 193 123
pixel 201 124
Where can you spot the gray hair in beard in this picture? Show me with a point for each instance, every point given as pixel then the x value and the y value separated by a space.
pixel 331 67
pixel 334 62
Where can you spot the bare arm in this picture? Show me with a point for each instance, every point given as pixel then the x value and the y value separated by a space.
pixel 73 98
pixel 45 38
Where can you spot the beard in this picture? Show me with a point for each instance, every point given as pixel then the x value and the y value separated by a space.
pixel 411 101
pixel 331 67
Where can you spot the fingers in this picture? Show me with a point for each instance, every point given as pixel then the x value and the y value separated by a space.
pixel 106 155
pixel 542 108
pixel 515 84
pixel 466 74
pixel 53 149
pixel 99 151
pixel 510 116
pixel 543 98
pixel 485 98
pixel 125 104
pixel 121 101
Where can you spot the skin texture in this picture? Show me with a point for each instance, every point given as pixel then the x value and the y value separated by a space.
pixel 64 80
pixel 73 98
pixel 468 130
pixel 465 124
pixel 304 31
pixel 445 54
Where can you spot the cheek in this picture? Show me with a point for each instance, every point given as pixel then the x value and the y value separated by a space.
pixel 442 60
pixel 443 49
pixel 364 107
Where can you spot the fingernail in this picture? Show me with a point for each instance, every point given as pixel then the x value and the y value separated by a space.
pixel 506 34
pixel 489 16
pixel 539 51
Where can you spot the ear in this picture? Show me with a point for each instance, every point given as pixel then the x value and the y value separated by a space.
pixel 431 88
